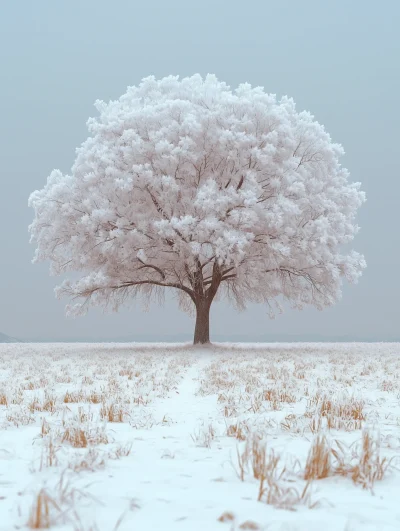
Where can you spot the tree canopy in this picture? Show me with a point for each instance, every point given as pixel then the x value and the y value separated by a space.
pixel 190 185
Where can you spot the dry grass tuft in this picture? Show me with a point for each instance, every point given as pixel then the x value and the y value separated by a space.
pixel 48 510
pixel 45 428
pixel 257 454
pixel 49 453
pixel 279 394
pixel 80 436
pixel 3 399
pixel 318 463
pixel 44 511
pixel 343 413
pixel 249 524
pixel 242 462
pixel 287 497
pixel 75 436
pixel 365 466
pixel 121 450
pixel 20 418
pixel 275 478
pixel 92 460
pixel 73 398
pixel 227 516
pixel 95 398
pixel 275 487
pixel 112 412
pixel 239 430
pixel 203 436
pixel 362 463
pixel 346 408
pixel 50 403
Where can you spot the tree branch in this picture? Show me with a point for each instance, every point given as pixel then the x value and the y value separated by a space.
pixel 160 271
pixel 128 284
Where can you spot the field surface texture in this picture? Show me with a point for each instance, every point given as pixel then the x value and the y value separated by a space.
pixel 106 437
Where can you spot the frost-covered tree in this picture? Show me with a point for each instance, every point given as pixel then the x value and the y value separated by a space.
pixel 186 184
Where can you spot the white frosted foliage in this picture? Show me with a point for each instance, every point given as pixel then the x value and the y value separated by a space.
pixel 191 185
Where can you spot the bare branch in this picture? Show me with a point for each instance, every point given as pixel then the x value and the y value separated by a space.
pixel 128 284
pixel 152 267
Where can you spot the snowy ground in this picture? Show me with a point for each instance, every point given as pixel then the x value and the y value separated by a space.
pixel 159 437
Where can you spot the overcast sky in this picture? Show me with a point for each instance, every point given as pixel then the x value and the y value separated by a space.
pixel 340 60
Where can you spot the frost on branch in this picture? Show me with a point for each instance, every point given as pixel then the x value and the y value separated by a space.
pixel 188 184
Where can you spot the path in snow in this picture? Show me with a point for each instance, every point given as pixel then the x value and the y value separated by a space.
pixel 169 476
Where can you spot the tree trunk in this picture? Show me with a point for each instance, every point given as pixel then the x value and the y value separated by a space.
pixel 202 329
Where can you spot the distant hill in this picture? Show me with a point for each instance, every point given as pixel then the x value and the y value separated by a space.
pixel 8 339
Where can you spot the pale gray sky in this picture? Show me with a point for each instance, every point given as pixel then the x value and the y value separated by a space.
pixel 340 60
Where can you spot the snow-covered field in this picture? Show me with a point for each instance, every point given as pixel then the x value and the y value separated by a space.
pixel 158 437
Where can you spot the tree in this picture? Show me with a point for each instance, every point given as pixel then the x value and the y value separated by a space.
pixel 186 184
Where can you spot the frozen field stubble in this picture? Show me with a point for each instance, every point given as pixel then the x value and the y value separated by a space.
pixel 123 436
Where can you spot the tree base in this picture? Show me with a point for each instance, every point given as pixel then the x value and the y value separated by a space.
pixel 202 328
pixel 204 344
